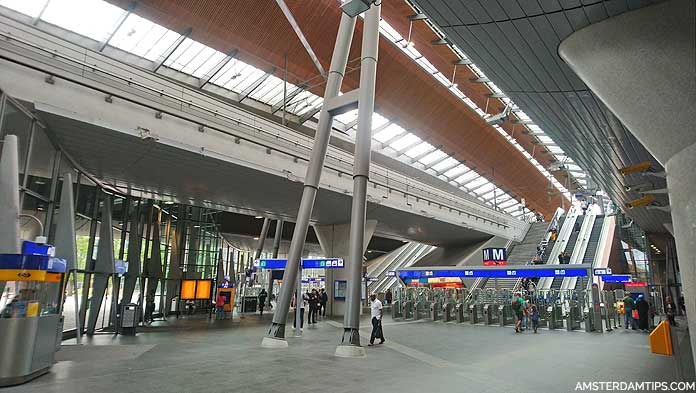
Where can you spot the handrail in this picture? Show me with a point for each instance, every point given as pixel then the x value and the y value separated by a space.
pixel 238 121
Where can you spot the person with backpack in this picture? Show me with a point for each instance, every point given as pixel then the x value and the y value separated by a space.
pixel 262 299
pixel 518 308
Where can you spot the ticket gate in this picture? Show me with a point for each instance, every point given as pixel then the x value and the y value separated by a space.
pixel 448 311
pixel 461 313
pixel 612 314
pixel 396 310
pixel 408 312
pixel 490 314
pixel 475 313
pixel 575 316
pixel 419 310
pixel 505 315
pixel 555 312
pixel 435 309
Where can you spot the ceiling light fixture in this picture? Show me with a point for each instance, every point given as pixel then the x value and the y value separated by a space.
pixel 354 8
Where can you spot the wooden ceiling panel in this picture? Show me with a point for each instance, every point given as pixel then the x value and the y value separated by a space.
pixel 404 92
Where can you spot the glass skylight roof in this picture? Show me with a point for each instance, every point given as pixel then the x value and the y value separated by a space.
pixel 100 20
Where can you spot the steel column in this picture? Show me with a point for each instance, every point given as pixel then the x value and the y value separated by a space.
pixel 339 61
pixel 276 248
pixel 52 196
pixel 363 148
pixel 27 162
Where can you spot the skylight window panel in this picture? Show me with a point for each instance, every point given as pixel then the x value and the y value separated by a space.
pixel 545 139
pixel 446 163
pixel 476 182
pixel 211 62
pixel 250 74
pixel 93 19
pixel 456 171
pixel 187 51
pixel 555 149
pixel 270 88
pixel 206 53
pixel 467 177
pixel 273 92
pixel 485 189
pixel 418 150
pixel 404 141
pixel 489 195
pixel 386 134
pixel 347 117
pixel 31 8
pixel 378 120
pixel 143 38
pixel 308 105
pixel 507 204
pixel 225 73
pixel 432 157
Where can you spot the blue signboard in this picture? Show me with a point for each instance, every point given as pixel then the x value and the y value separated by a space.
pixel 617 278
pixel 326 263
pixel 509 273
pixel 604 271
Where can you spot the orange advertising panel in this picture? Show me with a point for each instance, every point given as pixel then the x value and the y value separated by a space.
pixel 203 289
pixel 188 289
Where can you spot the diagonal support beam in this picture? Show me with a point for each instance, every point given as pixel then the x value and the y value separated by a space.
pixel 310 114
pixel 205 79
pixel 439 160
pixel 291 96
pixel 119 23
pixel 425 153
pixel 300 35
pixel 394 139
pixel 172 48
pixel 257 83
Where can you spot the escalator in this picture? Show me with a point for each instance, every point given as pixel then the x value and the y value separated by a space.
pixel 570 246
pixel 591 250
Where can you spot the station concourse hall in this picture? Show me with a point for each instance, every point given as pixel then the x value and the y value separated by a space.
pixel 347 196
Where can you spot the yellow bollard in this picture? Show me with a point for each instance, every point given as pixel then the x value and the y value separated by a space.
pixel 661 339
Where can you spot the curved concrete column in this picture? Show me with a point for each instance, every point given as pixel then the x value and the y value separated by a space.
pixel 642 65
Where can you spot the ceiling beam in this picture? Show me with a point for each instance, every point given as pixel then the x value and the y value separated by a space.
pixel 205 79
pixel 300 35
pixel 257 83
pixel 288 100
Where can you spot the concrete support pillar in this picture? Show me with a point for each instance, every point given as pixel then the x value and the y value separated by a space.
pixel 173 274
pixel 339 60
pixel 104 267
pixel 133 256
pixel 278 237
pixel 642 65
pixel 9 197
pixel 65 243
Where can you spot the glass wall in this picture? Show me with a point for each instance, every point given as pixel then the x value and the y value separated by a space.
pixel 192 231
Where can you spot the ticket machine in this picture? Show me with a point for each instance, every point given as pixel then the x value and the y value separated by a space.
pixel 30 319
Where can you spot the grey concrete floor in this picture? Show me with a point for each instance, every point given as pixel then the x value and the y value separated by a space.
pixel 195 355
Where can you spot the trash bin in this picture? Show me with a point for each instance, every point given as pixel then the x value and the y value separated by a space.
pixel 250 303
pixel 129 319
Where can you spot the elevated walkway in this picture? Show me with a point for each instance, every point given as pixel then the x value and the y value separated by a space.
pixel 145 135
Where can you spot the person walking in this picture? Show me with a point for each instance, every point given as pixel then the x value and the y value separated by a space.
pixel 323 300
pixel 263 295
pixel 534 311
pixel 376 311
pixel 220 307
pixel 629 306
pixel 518 308
pixel 300 309
pixel 388 297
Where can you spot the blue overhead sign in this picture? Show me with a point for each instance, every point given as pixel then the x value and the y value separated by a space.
pixel 604 271
pixel 507 273
pixel 391 273
pixel 325 263
pixel 617 278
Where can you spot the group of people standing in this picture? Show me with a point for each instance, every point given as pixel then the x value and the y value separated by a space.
pixel 316 300
pixel 526 313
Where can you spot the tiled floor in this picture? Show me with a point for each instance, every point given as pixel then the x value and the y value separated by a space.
pixel 195 355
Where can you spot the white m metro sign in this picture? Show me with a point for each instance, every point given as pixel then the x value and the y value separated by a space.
pixel 494 256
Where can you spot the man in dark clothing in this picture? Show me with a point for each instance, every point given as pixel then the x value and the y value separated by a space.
pixel 388 296
pixel 670 310
pixel 323 299
pixel 566 258
pixel 262 299
pixel 313 306
pixel 560 258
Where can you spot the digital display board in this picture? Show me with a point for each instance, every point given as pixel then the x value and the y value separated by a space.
pixel 509 273
pixel 325 263
pixel 617 278
pixel 603 271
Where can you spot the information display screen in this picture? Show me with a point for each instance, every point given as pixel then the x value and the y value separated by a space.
pixel 509 273
pixel 325 263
